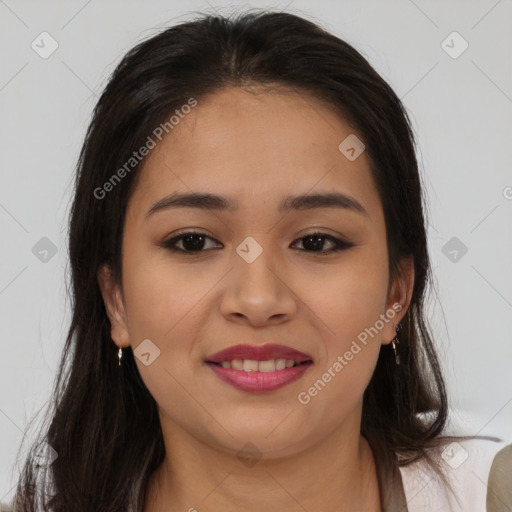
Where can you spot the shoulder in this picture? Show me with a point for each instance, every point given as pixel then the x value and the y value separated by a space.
pixel 499 493
pixel 467 466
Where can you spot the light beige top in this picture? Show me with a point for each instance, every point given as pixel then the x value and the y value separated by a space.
pixel 474 485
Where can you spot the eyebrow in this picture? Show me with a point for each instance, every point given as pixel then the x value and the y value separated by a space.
pixel 208 201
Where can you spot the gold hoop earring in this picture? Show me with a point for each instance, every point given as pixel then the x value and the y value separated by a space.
pixel 120 355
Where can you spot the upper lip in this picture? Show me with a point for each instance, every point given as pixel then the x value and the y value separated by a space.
pixel 258 353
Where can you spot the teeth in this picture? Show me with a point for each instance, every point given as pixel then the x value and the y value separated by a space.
pixel 250 365
pixel 281 364
pixel 237 364
pixel 267 366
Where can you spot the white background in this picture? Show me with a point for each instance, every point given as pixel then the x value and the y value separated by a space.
pixel 461 111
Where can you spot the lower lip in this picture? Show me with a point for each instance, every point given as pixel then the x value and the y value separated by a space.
pixel 259 381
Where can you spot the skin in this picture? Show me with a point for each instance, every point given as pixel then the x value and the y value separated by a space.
pixel 257 148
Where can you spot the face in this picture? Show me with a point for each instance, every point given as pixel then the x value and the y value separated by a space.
pixel 256 274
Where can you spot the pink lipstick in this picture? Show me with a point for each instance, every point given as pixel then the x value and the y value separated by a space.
pixel 259 368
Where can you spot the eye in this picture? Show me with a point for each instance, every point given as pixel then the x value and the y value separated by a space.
pixel 316 239
pixel 194 242
pixel 191 241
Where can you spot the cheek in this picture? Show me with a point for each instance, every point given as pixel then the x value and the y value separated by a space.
pixel 347 310
pixel 349 296
pixel 161 295
pixel 162 304
pixel 167 303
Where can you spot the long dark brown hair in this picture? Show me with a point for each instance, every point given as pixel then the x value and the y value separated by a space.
pixel 102 422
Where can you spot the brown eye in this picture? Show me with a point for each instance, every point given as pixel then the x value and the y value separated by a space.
pixel 192 242
pixel 313 242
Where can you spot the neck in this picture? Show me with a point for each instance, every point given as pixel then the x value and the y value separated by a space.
pixel 338 474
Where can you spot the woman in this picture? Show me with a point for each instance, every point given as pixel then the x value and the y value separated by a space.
pixel 249 267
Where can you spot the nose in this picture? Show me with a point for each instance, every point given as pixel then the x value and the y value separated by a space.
pixel 258 291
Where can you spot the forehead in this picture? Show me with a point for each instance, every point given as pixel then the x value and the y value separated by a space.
pixel 256 147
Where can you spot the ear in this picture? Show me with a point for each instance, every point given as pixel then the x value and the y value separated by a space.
pixel 399 298
pixel 114 306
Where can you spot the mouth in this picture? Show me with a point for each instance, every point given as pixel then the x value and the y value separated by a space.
pixel 259 368
pixel 252 365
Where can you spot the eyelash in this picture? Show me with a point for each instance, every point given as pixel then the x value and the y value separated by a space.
pixel 339 245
